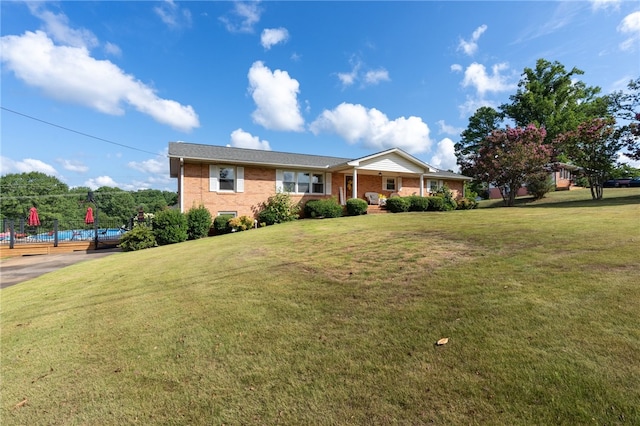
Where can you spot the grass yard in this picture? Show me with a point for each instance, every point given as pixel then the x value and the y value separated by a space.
pixel 332 322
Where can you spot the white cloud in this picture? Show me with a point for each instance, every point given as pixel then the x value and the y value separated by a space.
pixel 624 159
pixel 243 17
pixel 376 76
pixel 7 165
pixel 372 128
pixel 469 47
pixel 73 166
pixel 57 25
pixel 275 95
pixel 112 49
pixel 242 139
pixel 100 181
pixel 456 68
pixel 448 129
pixel 630 26
pixel 70 74
pixel 172 15
pixel 471 105
pixel 272 36
pixel 444 156
pixel 348 78
pixel 476 76
pixel 151 165
pixel 370 77
pixel 605 4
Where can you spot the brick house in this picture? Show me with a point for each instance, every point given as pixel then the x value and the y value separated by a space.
pixel 562 175
pixel 237 180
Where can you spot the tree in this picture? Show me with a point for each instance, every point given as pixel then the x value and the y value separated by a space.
pixel 154 200
pixel 115 204
pixel 22 191
pixel 481 124
pixel 594 147
pixel 550 97
pixel 507 158
pixel 626 106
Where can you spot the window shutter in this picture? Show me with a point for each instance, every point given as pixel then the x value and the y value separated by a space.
pixel 399 183
pixel 279 180
pixel 213 177
pixel 327 184
pixel 239 179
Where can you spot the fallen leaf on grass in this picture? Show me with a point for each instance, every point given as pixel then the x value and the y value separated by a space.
pixel 21 403
pixel 442 341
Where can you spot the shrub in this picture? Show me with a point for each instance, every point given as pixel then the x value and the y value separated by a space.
pixel 139 238
pixel 539 184
pixel 198 222
pixel 323 208
pixel 241 223
pixel 278 208
pixel 436 204
pixel 418 204
pixel 221 224
pixel 170 226
pixel 449 203
pixel 398 204
pixel 467 203
pixel 356 207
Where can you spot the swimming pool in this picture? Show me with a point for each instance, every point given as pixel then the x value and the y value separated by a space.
pixel 79 235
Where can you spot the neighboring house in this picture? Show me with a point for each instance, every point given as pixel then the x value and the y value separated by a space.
pixel 562 175
pixel 237 181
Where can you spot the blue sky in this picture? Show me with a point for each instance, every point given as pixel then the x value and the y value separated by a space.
pixel 119 80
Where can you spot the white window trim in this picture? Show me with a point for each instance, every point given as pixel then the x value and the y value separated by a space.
pixel 439 184
pixel 214 181
pixel 397 182
pixel 234 214
pixel 326 182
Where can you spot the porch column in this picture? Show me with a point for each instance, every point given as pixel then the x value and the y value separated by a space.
pixel 181 186
pixel 422 186
pixel 354 193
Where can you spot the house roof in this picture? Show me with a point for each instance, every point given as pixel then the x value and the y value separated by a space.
pixel 216 153
pixel 250 156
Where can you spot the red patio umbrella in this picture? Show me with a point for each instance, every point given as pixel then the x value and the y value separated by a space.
pixel 89 217
pixel 33 220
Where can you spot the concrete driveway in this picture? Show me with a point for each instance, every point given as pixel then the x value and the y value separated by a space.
pixel 15 270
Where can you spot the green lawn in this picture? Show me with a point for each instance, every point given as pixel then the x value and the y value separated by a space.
pixel 332 322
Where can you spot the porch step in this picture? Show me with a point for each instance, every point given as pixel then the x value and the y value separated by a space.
pixel 376 210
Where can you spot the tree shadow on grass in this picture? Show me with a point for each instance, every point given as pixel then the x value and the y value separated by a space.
pixel 609 199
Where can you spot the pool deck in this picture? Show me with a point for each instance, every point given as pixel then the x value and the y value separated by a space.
pixel 14 270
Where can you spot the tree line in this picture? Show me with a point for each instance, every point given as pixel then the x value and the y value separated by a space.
pixel 552 118
pixel 55 200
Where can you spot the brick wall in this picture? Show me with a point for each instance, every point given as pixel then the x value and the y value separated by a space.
pixel 259 185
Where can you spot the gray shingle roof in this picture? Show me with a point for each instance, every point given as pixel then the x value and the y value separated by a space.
pixel 250 156
pixel 216 153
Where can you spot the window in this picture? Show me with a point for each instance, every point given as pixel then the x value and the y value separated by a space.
pixel 389 184
pixel 302 182
pixel 227 179
pixel 434 185
pixel 289 181
pixel 318 184
pixel 234 214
